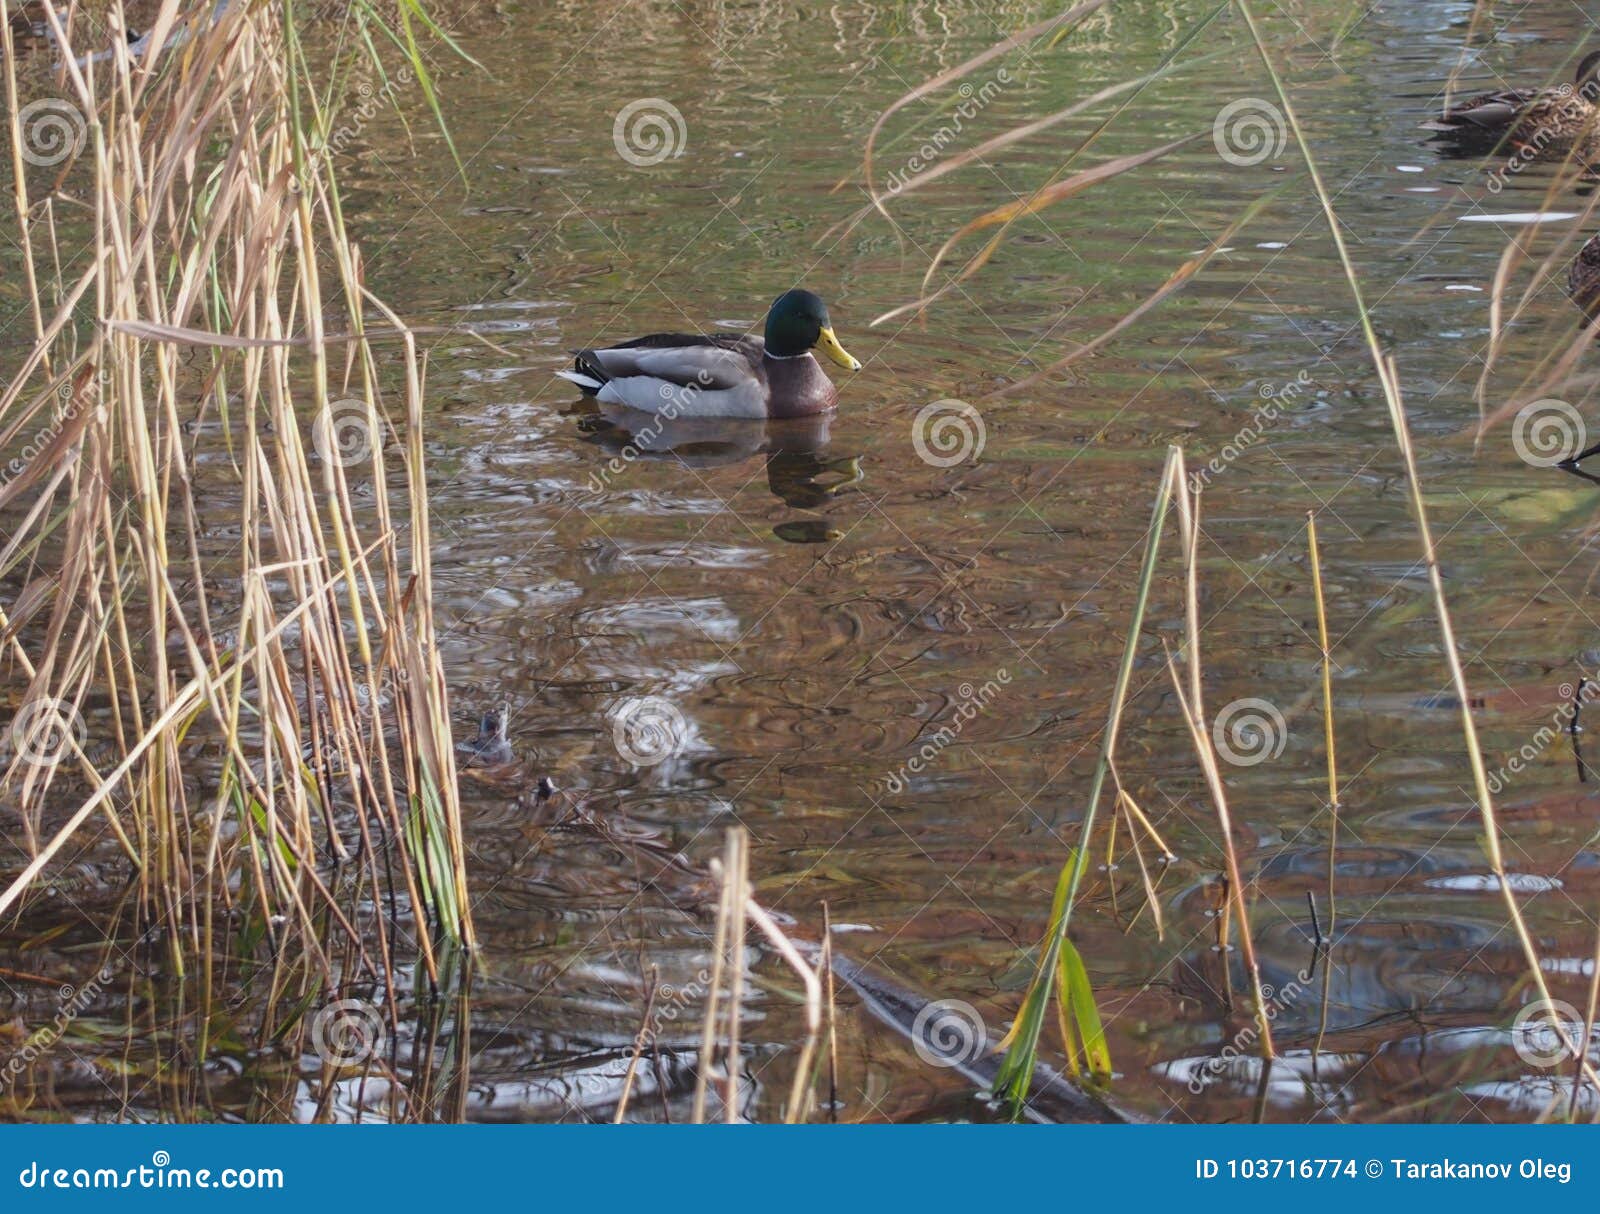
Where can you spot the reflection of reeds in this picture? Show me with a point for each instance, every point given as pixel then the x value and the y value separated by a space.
pixel 195 247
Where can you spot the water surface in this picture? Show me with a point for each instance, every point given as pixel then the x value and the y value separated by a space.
pixel 817 602
pixel 809 672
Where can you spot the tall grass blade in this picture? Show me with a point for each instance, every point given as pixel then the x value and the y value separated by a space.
pixel 1022 1042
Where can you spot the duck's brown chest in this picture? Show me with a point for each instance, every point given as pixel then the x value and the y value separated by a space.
pixel 798 387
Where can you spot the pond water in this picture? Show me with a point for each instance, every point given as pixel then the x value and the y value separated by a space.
pixel 812 605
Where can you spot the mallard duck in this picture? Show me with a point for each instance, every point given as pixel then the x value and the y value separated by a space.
pixel 1533 121
pixel 1583 279
pixel 722 375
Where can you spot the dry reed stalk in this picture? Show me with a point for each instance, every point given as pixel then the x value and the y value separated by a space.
pixel 1057 188
pixel 800 1103
pixel 724 998
pixel 307 656
pixel 1325 946
pixel 1235 892
pixel 640 1040
pixel 736 874
pixel 1552 373
pixel 1021 1041
pixel 719 958
pixel 1133 813
pixel 1589 1014
pixel 1327 709
pixel 825 964
pixel 1187 502
pixel 1050 25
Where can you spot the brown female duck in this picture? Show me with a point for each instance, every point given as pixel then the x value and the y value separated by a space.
pixel 1535 122
pixel 1583 279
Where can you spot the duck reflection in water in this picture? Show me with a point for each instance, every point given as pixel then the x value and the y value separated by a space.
pixel 800 471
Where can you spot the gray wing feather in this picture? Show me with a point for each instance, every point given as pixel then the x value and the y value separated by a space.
pixel 706 366
pixel 1490 112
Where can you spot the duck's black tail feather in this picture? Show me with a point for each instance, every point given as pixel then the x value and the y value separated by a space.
pixel 586 364
pixel 586 372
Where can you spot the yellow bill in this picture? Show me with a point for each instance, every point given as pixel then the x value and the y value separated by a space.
pixel 829 345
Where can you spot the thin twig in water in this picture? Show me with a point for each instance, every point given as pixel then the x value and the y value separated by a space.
pixel 639 1039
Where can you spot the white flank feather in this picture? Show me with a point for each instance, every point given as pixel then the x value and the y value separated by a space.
pixel 651 395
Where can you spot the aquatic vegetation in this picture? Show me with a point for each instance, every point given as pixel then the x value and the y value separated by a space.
pixel 211 338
